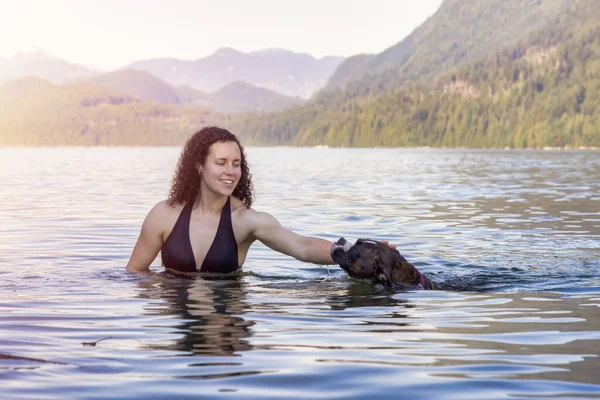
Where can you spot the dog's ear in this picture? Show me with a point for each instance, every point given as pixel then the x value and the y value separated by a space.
pixel 381 274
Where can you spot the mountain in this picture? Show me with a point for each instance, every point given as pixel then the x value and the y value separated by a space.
pixel 24 89
pixel 39 64
pixel 282 71
pixel 189 95
pixel 242 97
pixel 36 112
pixel 140 84
pixel 460 32
pixel 233 98
pixel 540 92
pixel 264 68
pixel 88 114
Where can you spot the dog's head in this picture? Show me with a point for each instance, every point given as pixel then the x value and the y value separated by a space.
pixel 366 259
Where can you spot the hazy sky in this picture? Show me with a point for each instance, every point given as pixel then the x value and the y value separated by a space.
pixel 108 34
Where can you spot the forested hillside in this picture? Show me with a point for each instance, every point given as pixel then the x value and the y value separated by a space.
pixel 541 92
pixel 140 84
pixel 460 32
pixel 240 96
pixel 38 113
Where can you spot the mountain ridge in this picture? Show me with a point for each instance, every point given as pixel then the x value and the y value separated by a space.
pixel 541 91
pixel 285 72
pixel 233 98
pixel 441 43
pixel 40 64
pixel 279 70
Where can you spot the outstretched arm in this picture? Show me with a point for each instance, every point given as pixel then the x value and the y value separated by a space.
pixel 304 248
pixel 149 242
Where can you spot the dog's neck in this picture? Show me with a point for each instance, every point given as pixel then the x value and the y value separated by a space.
pixel 406 273
pixel 424 281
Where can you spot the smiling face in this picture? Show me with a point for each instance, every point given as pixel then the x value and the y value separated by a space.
pixel 222 169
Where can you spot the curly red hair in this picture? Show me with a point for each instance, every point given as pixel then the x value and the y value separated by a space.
pixel 185 186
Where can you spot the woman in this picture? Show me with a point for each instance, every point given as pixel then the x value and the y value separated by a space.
pixel 207 223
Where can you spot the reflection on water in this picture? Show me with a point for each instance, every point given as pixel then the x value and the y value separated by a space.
pixel 208 312
pixel 513 237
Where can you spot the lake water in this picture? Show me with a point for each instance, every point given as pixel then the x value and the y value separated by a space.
pixel 513 236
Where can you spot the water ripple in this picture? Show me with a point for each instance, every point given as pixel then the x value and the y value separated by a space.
pixel 512 236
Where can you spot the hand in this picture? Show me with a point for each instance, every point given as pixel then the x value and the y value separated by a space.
pixel 389 244
pixel 385 242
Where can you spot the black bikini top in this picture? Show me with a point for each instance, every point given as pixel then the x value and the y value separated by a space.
pixel 222 256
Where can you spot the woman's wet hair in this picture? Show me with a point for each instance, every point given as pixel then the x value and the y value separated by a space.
pixel 185 186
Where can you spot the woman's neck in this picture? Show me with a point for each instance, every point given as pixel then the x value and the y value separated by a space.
pixel 210 202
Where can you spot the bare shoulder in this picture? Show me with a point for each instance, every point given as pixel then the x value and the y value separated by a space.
pixel 163 209
pixel 163 215
pixel 237 206
pixel 251 218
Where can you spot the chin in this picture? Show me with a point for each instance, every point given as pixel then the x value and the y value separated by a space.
pixel 226 192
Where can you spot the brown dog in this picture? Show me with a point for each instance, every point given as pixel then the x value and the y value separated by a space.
pixel 369 259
